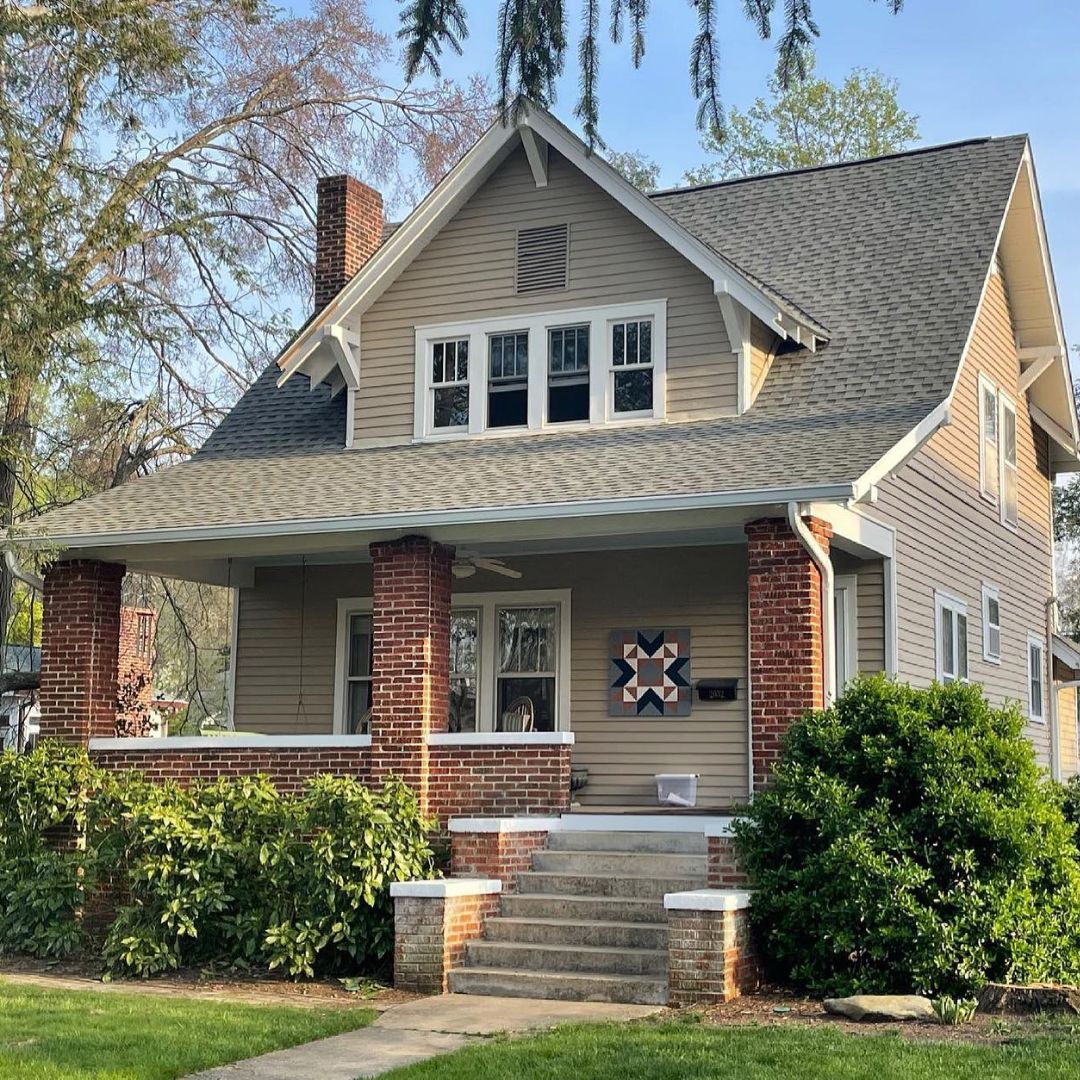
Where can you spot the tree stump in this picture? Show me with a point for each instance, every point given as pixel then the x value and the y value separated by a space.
pixel 1024 1000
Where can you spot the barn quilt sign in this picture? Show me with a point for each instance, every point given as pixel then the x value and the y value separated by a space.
pixel 650 673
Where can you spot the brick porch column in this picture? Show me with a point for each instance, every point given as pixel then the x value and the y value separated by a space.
pixel 80 642
pixel 786 672
pixel 410 695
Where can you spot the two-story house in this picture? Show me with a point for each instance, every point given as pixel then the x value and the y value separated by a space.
pixel 563 476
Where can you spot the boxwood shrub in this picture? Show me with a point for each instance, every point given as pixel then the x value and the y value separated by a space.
pixel 910 841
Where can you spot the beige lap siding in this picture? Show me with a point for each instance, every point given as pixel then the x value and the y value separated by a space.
pixel 703 588
pixel 869 609
pixel 1070 752
pixel 467 271
pixel 950 538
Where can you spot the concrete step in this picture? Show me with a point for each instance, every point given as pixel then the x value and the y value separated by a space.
pixel 675 843
pixel 580 958
pixel 618 935
pixel 636 864
pixel 620 885
pixel 588 908
pixel 498 982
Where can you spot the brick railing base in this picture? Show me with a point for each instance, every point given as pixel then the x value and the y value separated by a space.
pixel 433 920
pixel 710 954
pixel 498 848
pixel 723 865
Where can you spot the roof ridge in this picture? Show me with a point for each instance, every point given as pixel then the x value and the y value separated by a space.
pixel 776 173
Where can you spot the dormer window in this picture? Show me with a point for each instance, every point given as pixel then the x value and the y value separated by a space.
pixel 543 370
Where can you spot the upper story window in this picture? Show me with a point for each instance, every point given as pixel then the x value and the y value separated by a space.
pixel 1036 679
pixel 952 638
pixel 568 374
pixel 988 438
pixel 450 384
pixel 631 366
pixel 991 617
pixel 545 370
pixel 1009 484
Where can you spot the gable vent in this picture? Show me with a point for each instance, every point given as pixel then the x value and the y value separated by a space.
pixel 542 258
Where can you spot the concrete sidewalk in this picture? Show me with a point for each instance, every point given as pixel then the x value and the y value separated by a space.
pixel 417 1031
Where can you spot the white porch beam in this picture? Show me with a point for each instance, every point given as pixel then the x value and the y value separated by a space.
pixel 536 151
pixel 870 537
pixel 1039 352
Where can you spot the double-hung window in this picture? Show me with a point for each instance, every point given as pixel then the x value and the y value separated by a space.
pixel 632 366
pixel 988 438
pixel 508 380
pixel 1036 668
pixel 1008 462
pixel 527 658
pixel 952 638
pixel 991 620
pixel 450 384
pixel 352 712
pixel 568 374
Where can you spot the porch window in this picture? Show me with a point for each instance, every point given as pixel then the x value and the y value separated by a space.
pixel 525 682
pixel 632 366
pixel 1008 462
pixel 991 615
pixel 358 676
pixel 450 384
pixel 508 380
pixel 988 438
pixel 464 668
pixel 1036 675
pixel 568 374
pixel 952 643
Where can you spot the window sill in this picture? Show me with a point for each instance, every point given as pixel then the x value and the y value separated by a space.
pixel 502 738
pixel 459 434
pixel 229 742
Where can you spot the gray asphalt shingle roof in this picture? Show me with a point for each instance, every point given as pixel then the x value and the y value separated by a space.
pixel 890 254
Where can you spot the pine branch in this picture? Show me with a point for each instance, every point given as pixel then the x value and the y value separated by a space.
pixel 639 12
pixel 426 26
pixel 588 110
pixel 794 45
pixel 704 70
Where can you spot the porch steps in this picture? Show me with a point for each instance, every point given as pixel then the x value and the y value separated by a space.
pixel 587 921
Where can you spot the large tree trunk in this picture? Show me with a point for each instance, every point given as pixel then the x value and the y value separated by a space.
pixel 16 442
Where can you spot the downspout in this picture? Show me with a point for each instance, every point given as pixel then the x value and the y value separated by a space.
pixel 17 572
pixel 1051 693
pixel 828 609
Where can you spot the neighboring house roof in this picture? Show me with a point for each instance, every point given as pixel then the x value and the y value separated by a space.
pixel 890 254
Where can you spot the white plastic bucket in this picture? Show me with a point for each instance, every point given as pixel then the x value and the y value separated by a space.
pixel 676 789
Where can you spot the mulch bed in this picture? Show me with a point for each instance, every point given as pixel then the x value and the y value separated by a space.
pixel 779 1008
pixel 256 987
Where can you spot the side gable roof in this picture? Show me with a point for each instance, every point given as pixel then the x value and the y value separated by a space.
pixel 538 130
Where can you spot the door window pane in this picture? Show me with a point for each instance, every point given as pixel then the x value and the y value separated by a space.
pixel 528 647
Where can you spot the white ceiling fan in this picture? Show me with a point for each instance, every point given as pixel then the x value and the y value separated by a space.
pixel 468 562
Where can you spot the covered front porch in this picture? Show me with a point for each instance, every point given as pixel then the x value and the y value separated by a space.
pixel 525 668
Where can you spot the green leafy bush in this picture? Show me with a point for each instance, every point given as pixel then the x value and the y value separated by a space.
pixel 1071 800
pixel 42 805
pixel 234 872
pixel 910 841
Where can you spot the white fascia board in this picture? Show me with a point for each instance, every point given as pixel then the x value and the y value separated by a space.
pixel 1066 651
pixel 215 743
pixel 1055 431
pixel 901 451
pixel 433 518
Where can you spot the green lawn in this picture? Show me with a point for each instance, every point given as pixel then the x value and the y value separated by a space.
pixel 84 1035
pixel 681 1052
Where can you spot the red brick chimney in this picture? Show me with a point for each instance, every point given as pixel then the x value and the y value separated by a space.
pixel 348 230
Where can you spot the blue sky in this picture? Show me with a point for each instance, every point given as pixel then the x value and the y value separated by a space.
pixel 965 67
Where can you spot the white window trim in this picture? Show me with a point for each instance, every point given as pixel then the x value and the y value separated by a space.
pixel 846 588
pixel 1040 642
pixel 537 324
pixel 946 601
pixel 984 465
pixel 488 604
pixel 1006 403
pixel 990 592
pixel 347 606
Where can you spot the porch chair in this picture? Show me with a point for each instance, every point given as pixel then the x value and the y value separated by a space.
pixel 519 715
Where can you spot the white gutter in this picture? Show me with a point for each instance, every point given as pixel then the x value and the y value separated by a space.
pixel 828 610
pixel 17 572
pixel 427 519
